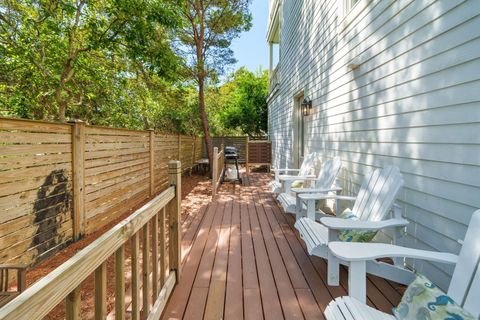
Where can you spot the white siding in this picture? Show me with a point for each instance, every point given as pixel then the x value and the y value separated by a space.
pixel 413 102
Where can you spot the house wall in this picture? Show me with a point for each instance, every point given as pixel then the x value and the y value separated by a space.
pixel 413 102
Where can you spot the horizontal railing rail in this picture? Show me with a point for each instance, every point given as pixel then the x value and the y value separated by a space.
pixel 147 272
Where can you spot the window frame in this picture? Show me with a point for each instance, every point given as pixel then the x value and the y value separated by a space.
pixel 348 12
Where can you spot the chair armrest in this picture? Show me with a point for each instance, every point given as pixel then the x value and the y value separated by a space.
pixel 321 196
pixel 339 223
pixel 357 251
pixel 285 170
pixel 314 190
pixel 293 178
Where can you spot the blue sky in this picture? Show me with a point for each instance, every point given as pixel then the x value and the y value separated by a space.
pixel 251 48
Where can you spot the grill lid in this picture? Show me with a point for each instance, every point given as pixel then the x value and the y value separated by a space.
pixel 231 152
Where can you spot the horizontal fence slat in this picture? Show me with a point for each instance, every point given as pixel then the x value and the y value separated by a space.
pixel 34 126
pixel 34 137
pixel 33 149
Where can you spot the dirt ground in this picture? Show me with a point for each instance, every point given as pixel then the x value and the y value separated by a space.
pixel 196 192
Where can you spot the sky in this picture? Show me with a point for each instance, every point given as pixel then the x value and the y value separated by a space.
pixel 251 48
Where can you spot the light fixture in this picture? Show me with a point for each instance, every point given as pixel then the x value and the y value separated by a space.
pixel 307 107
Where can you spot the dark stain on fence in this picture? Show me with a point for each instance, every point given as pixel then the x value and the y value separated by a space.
pixel 53 202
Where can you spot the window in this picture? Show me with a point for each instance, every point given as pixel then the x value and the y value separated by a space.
pixel 348 10
pixel 349 4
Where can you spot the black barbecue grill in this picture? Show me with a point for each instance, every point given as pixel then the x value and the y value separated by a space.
pixel 231 157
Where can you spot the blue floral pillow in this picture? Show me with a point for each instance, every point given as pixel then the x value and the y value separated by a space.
pixel 348 235
pixel 424 300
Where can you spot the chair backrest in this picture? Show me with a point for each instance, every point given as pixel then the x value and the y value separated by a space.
pixel 308 164
pixel 328 173
pixel 377 194
pixel 464 287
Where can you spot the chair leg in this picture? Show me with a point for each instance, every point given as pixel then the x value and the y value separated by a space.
pixel 333 270
pixel 311 209
pixel 357 280
pixel 298 208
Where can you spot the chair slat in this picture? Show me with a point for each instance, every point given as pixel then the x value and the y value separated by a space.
pixel 378 193
pixel 364 192
pixel 381 183
pixel 328 173
pixel 472 297
pixel 468 264
pixel 386 195
pixel 307 165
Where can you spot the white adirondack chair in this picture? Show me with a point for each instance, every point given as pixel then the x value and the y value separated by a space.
pixel 464 286
pixel 372 205
pixel 323 184
pixel 306 170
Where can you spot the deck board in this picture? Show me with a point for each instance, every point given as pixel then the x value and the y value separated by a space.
pixel 244 260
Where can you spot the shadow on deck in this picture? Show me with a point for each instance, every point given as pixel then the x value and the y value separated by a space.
pixel 242 259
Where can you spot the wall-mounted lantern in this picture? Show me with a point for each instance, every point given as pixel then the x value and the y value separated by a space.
pixel 307 108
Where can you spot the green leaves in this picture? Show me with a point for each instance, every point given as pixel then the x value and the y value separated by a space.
pixel 246 103
pixel 99 60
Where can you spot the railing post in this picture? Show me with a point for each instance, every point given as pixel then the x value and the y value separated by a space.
pixel 214 171
pixel 78 174
pixel 100 286
pixel 120 283
pixel 73 305
pixel 135 256
pixel 175 248
pixel 152 161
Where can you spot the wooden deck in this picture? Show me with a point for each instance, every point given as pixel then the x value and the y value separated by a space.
pixel 244 260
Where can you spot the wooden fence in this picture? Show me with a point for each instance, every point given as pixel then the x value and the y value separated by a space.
pixel 251 152
pixel 259 153
pixel 153 276
pixel 238 142
pixel 61 181
pixel 217 168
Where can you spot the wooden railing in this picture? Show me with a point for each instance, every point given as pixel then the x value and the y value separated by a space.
pixel 151 271
pixel 217 169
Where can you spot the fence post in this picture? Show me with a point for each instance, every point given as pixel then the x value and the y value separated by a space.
pixel 175 248
pixel 78 170
pixel 152 161
pixel 192 160
pixel 214 171
pixel 179 144
pixel 246 155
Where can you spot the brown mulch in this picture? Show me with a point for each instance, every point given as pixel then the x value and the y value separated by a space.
pixel 196 192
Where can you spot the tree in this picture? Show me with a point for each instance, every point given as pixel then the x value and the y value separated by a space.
pixel 204 40
pixel 246 103
pixel 55 55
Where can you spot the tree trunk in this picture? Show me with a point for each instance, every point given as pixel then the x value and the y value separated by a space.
pixel 204 118
pixel 61 104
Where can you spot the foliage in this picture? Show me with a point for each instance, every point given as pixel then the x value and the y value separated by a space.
pixel 245 103
pixel 208 28
pixel 127 63
pixel 96 60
